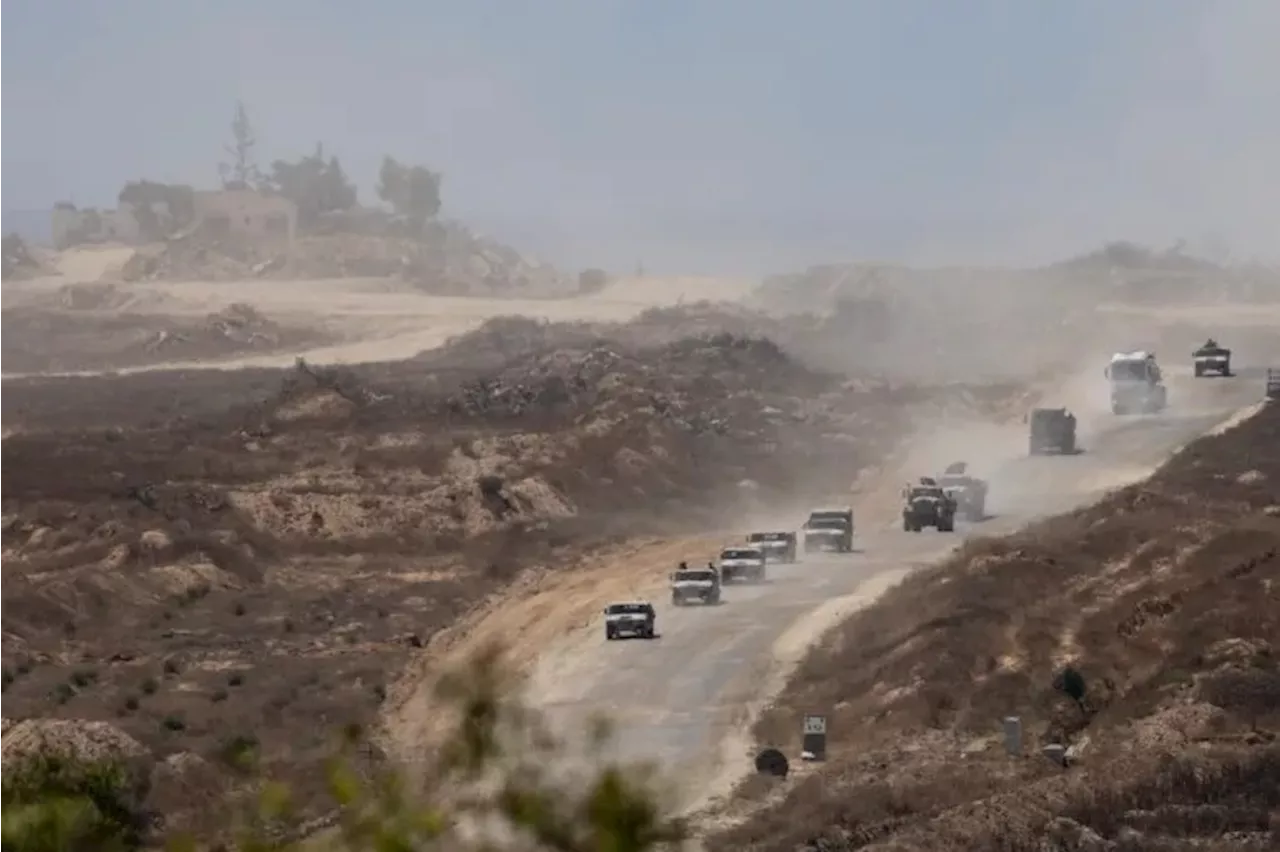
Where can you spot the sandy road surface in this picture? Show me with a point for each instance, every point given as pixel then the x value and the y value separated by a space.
pixel 684 699
pixel 382 320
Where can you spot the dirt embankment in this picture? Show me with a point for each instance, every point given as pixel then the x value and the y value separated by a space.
pixel 90 327
pixel 202 577
pixel 1142 633
pixel 445 258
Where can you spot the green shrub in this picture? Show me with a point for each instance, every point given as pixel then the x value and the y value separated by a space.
pixel 496 770
pixel 56 803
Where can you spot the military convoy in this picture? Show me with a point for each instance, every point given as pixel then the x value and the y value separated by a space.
pixel 927 504
pixel 1136 385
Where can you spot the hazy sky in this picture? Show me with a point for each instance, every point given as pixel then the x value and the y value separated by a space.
pixel 739 135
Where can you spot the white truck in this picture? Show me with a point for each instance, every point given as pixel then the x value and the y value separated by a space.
pixel 701 585
pixel 1137 384
pixel 778 546
pixel 630 618
pixel 743 562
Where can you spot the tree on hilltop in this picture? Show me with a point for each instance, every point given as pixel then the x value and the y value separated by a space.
pixel 316 183
pixel 412 191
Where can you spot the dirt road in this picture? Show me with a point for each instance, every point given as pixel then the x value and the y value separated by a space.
pixel 377 319
pixel 683 699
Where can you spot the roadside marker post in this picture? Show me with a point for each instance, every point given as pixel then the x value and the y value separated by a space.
pixel 814 744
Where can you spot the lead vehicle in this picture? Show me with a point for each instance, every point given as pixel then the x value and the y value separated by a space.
pixel 1211 359
pixel 630 618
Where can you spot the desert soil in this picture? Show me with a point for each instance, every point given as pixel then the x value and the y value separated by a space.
pixel 198 556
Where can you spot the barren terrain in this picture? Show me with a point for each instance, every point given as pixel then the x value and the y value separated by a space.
pixel 1163 597
pixel 230 556
pixel 260 553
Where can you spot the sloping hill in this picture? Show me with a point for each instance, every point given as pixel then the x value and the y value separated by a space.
pixel 1163 599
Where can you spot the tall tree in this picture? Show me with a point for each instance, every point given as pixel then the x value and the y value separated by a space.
pixel 241 172
pixel 412 191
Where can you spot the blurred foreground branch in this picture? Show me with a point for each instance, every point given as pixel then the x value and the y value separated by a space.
pixel 502 781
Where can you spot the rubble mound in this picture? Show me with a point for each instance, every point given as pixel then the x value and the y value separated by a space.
pixel 189 257
pixel 79 739
pixel 92 297
pixel 93 335
pixel 447 259
pixel 603 377
pixel 19 260
pixel 502 339
pixel 657 326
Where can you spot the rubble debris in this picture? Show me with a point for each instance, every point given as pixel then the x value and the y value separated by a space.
pixel 448 259
pixel 19 260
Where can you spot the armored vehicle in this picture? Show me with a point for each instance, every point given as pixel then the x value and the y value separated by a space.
pixel 829 529
pixel 743 563
pixel 926 504
pixel 1211 360
pixel 970 493
pixel 1053 430
pixel 778 546
pixel 630 618
pixel 700 585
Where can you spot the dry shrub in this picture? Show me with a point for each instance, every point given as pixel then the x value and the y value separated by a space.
pixel 1163 593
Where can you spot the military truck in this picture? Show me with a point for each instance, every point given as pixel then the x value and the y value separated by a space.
pixel 926 504
pixel 970 493
pixel 701 585
pixel 630 618
pixel 778 546
pixel 1211 360
pixel 1137 384
pixel 830 530
pixel 1053 430
pixel 746 562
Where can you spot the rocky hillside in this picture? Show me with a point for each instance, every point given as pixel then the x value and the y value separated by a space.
pixel 1140 635
pixel 201 576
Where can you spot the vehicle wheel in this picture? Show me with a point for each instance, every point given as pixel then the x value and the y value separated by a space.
pixel 906 525
pixel 609 635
